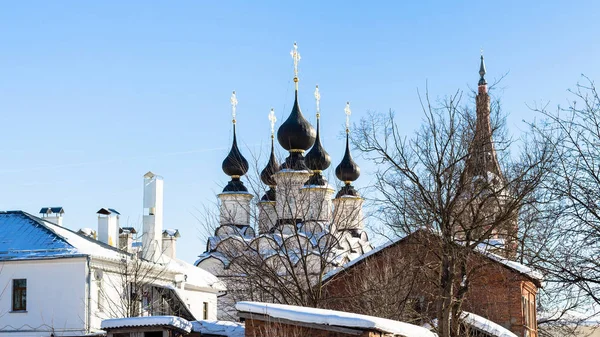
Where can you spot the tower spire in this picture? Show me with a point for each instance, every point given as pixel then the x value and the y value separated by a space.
pixel 347 171
pixel 266 175
pixel 235 165
pixel 317 159
pixel 482 80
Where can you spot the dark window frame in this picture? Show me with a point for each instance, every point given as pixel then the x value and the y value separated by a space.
pixel 19 295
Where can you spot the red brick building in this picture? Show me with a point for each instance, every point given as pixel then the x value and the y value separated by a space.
pixel 398 281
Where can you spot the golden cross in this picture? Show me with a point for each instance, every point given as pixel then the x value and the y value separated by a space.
pixel 296 56
pixel 318 98
pixel 272 119
pixel 348 112
pixel 234 103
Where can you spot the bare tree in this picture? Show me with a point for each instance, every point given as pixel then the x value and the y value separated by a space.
pixel 285 252
pixel 571 255
pixel 456 178
pixel 136 287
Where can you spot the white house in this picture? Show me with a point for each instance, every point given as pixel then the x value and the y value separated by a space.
pixel 54 281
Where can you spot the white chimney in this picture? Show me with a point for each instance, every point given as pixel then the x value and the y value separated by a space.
pixel 153 217
pixel 169 241
pixel 108 226
pixel 53 214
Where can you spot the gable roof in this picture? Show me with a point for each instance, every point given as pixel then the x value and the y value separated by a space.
pixel 514 266
pixel 24 236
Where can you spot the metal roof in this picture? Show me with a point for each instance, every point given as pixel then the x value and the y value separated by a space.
pixel 24 236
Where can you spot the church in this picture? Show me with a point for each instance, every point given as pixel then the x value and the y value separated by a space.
pixel 305 227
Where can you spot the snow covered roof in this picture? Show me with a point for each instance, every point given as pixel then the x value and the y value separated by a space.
pixel 219 328
pixel 194 275
pixel 486 325
pixel 333 318
pixel 162 321
pixel 513 265
pixel 24 236
pixel 521 268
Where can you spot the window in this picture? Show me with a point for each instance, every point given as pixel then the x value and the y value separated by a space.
pixel 205 310
pixel 529 314
pixel 19 295
pixel 153 334
pixel 100 296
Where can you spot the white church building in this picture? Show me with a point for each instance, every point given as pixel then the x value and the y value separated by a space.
pixel 57 282
pixel 300 223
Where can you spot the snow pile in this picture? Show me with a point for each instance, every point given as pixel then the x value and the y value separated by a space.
pixel 334 318
pixel 219 328
pixel 485 325
pixel 165 321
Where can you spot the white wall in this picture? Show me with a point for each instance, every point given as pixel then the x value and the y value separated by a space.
pixel 195 299
pixel 56 296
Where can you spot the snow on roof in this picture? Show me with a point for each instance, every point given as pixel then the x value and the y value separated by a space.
pixel 521 268
pixel 486 325
pixel 165 321
pixel 516 266
pixel 195 275
pixel 358 259
pixel 169 232
pixel 219 328
pixel 334 318
pixel 24 236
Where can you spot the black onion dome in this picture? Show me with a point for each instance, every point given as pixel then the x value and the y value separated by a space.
pixel 347 170
pixel 235 164
pixel 266 175
pixel 296 133
pixel 317 159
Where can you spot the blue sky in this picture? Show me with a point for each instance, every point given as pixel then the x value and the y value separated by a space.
pixel 95 94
